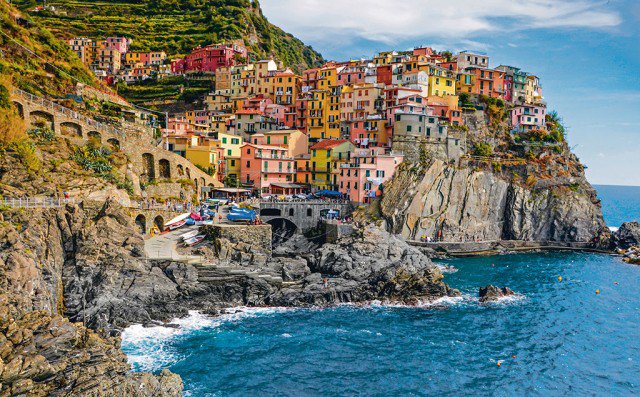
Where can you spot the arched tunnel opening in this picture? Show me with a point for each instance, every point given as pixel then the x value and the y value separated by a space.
pixel 281 230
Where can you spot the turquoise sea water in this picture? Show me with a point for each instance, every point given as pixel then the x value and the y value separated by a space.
pixel 566 339
pixel 619 203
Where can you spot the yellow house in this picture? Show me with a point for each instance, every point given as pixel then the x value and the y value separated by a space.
pixel 286 87
pixel 223 78
pixel 206 156
pixel 466 82
pixel 230 146
pixel 218 122
pixel 178 143
pixel 324 106
pixel 442 81
pixel 325 159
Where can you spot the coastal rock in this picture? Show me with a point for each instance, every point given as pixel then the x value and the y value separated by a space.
pixel 467 204
pixel 628 235
pixel 370 265
pixel 493 293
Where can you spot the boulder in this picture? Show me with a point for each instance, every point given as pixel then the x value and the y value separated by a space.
pixel 492 293
pixel 627 236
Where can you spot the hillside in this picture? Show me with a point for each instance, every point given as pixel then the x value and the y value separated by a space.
pixel 37 61
pixel 175 26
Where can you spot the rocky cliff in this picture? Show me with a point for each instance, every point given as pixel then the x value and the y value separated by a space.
pixel 72 278
pixel 466 203
pixel 54 265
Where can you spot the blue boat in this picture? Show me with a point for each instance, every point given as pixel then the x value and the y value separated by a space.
pixel 242 216
pixel 238 209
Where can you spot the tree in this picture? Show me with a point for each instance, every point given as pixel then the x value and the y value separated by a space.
pixel 482 149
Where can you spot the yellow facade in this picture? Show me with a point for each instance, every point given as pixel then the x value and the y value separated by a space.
pixel 324 106
pixel 325 162
pixel 441 81
pixel 205 156
pixel 286 88
pixel 465 82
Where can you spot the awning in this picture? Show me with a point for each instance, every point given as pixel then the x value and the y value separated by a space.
pixel 231 190
pixel 287 185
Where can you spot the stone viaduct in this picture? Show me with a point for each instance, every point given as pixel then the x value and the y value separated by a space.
pixel 148 161
pixel 301 215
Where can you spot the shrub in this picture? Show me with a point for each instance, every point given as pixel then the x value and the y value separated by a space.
pixel 482 149
pixel 25 150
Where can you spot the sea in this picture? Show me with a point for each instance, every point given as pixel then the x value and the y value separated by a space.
pixel 573 329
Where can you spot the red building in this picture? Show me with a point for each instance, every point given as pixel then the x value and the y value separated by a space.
pixel 385 74
pixel 210 58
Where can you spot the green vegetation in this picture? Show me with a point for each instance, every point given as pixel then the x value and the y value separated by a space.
pixel 482 149
pixel 25 150
pixel 174 88
pixel 176 26
pixel 37 61
pixel 556 129
pixel 211 171
pixel 93 158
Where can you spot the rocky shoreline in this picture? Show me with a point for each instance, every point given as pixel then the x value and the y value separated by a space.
pixel 75 277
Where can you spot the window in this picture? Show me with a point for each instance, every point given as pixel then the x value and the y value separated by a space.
pixel 380 174
pixel 248 151
pixel 309 212
pixel 234 141
pixel 233 163
pixel 224 140
pixel 408 128
pixel 248 164
pixel 285 139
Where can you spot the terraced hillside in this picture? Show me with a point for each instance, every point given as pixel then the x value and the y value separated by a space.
pixel 175 26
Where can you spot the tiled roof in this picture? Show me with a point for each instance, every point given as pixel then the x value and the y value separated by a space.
pixel 329 143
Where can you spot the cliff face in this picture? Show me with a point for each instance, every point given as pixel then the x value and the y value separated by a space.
pixel 50 262
pixel 470 204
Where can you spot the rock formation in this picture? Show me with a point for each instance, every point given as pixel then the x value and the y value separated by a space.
pixel 627 236
pixel 468 204
pixel 492 293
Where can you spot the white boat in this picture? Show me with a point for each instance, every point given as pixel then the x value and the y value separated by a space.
pixel 177 219
pixel 188 235
pixel 177 225
pixel 195 240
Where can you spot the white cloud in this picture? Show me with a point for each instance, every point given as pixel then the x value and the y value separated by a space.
pixel 388 21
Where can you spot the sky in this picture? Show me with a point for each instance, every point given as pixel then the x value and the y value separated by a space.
pixel 586 52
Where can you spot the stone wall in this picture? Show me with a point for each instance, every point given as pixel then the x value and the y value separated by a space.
pixel 249 245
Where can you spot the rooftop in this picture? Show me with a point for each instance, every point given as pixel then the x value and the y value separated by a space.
pixel 329 143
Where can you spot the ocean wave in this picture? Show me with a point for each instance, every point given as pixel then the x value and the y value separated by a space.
pixel 150 348
pixel 507 300
pixel 447 268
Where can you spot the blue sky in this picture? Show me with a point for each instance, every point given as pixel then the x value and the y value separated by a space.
pixel 587 53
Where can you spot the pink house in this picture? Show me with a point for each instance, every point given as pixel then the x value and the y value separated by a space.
pixel 352 75
pixel 277 112
pixel 120 44
pixel 528 117
pixel 368 169
pixel 268 168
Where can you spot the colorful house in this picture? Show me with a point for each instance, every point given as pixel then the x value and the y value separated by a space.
pixel 361 178
pixel 206 155
pixel 296 142
pixel 528 117
pixel 266 168
pixel 325 157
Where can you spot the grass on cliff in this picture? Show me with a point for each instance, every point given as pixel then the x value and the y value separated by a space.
pixel 38 62
pixel 170 89
pixel 176 26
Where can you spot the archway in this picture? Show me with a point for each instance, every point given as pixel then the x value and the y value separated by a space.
pixel 180 170
pixel 114 143
pixel 141 222
pixel 42 119
pixel 94 136
pixel 270 212
pixel 158 222
pixel 164 169
pixel 188 172
pixel 71 129
pixel 19 108
pixel 281 230
pixel 148 167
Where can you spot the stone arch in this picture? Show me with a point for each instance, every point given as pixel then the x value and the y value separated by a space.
pixel 203 183
pixel 188 173
pixel 281 230
pixel 148 167
pixel 291 211
pixel 71 129
pixel 180 170
pixel 19 108
pixel 309 212
pixel 94 136
pixel 114 143
pixel 196 181
pixel 270 212
pixel 38 118
pixel 141 222
pixel 158 222
pixel 164 169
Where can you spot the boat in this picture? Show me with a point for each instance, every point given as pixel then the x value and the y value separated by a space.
pixel 242 216
pixel 177 225
pixel 188 235
pixel 190 221
pixel 177 219
pixel 239 209
pixel 195 240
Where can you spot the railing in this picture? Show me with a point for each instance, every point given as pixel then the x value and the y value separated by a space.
pixel 67 112
pixel 36 202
